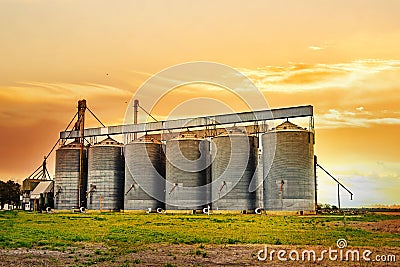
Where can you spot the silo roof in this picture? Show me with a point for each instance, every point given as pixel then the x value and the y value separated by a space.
pixel 187 136
pixel 108 141
pixel 287 125
pixel 147 139
pixel 232 131
pixel 74 144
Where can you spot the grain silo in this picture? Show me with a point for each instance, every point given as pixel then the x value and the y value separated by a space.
pixel 105 186
pixel 144 174
pixel 233 169
pixel 67 175
pixel 187 172
pixel 289 183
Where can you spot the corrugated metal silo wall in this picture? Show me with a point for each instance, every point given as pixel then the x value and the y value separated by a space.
pixel 66 178
pixel 294 164
pixel 106 170
pixel 231 164
pixel 146 167
pixel 175 196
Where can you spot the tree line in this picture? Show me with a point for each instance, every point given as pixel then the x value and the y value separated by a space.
pixel 10 193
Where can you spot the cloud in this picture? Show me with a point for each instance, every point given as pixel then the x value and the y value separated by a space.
pixel 365 92
pixel 34 101
pixel 67 89
pixel 38 92
pixel 348 119
pixel 315 48
pixel 360 75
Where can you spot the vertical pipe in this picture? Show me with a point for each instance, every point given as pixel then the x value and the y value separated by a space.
pixel 338 195
pixel 315 182
pixel 44 169
pixel 135 115
pixel 81 121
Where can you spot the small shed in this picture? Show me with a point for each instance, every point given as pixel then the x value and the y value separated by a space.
pixel 42 196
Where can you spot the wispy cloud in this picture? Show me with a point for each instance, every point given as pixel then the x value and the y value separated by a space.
pixel 357 118
pixel 359 88
pixel 38 91
pixel 315 48
pixel 32 101
pixel 361 74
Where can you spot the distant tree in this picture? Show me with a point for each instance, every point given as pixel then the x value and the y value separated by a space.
pixel 326 206
pixel 10 192
pixel 320 206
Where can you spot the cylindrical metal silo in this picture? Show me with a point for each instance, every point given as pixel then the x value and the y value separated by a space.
pixel 105 186
pixel 66 179
pixel 233 169
pixel 289 184
pixel 144 175
pixel 187 172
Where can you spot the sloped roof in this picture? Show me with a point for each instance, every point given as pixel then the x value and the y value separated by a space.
pixel 107 142
pixel 147 139
pixel 41 188
pixel 287 125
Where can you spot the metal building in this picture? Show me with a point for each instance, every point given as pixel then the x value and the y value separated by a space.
pixel 187 172
pixel 289 184
pixel 66 179
pixel 105 186
pixel 233 169
pixel 42 196
pixel 144 174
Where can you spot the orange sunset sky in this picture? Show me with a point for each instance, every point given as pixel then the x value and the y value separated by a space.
pixel 342 57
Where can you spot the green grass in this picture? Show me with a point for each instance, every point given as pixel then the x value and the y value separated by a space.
pixel 128 232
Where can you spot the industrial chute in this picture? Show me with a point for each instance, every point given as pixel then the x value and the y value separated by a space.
pixel 339 184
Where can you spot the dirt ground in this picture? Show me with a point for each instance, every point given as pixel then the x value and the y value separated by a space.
pixel 190 255
pixel 388 213
pixel 387 226
pixel 202 255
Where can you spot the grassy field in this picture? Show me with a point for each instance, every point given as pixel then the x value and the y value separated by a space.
pixel 111 234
